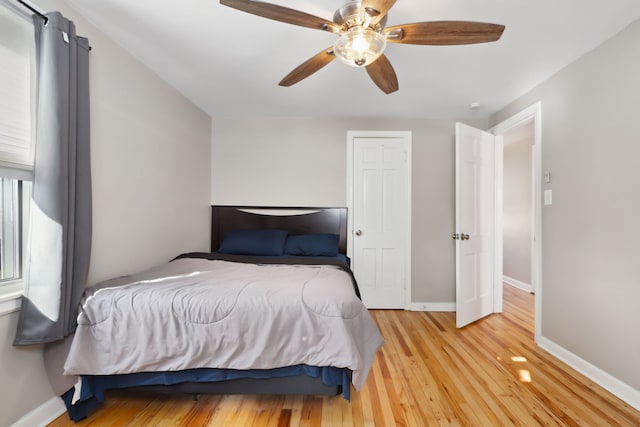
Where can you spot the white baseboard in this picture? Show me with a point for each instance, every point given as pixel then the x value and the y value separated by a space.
pixel 605 380
pixel 43 414
pixel 433 306
pixel 517 283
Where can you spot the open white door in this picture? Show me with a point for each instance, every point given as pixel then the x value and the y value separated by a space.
pixel 475 224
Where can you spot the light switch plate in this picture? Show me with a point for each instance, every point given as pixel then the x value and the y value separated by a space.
pixel 548 197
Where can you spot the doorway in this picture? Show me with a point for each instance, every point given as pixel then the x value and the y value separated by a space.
pixel 527 122
pixel 518 184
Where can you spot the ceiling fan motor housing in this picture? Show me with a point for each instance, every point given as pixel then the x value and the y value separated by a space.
pixel 353 15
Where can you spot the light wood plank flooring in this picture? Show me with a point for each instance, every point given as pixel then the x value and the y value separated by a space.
pixel 428 373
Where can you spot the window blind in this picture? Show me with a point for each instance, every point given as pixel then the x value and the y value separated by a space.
pixel 16 91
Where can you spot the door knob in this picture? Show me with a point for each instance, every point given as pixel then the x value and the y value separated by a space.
pixel 464 236
pixel 455 236
pixel 359 233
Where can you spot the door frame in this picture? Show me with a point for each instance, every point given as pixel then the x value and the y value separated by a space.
pixel 405 136
pixel 533 112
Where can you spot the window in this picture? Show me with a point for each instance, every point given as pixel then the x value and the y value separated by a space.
pixel 17 49
pixel 10 229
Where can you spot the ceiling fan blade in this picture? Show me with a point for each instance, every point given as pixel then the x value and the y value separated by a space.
pixel 377 9
pixel 382 73
pixel 308 67
pixel 282 14
pixel 444 33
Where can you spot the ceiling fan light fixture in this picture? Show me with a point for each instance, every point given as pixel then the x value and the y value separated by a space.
pixel 359 46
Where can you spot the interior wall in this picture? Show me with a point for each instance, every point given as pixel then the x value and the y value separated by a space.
pixel 23 382
pixel 517 218
pixel 590 251
pixel 151 185
pixel 302 162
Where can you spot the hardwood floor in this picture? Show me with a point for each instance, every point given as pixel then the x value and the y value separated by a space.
pixel 428 373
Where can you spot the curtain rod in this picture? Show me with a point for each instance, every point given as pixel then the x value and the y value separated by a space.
pixel 34 10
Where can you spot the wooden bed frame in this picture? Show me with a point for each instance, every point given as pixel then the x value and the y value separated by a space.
pixel 296 221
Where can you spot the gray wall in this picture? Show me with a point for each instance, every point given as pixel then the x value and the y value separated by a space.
pixel 151 184
pixel 302 162
pixel 517 218
pixel 23 382
pixel 590 250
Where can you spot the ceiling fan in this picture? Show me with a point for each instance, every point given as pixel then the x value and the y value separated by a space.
pixel 360 26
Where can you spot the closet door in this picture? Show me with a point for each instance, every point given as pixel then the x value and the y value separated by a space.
pixel 381 219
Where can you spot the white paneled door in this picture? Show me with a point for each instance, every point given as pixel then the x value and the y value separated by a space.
pixel 381 219
pixel 475 223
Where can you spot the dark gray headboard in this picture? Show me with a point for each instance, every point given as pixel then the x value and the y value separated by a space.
pixel 296 220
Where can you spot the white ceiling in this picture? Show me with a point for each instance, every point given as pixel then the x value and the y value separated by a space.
pixel 229 63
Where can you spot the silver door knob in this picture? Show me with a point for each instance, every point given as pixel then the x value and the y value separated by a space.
pixel 455 236
pixel 464 236
pixel 359 233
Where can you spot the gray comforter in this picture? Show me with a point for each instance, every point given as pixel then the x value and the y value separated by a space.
pixel 197 313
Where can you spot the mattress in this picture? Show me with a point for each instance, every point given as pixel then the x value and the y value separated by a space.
pixel 226 313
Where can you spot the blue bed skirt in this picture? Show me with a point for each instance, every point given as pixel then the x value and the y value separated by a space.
pixel 93 387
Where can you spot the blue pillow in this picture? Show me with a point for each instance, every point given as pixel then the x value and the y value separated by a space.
pixel 312 245
pixel 261 242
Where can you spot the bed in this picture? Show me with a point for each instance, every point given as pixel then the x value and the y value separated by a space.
pixel 273 308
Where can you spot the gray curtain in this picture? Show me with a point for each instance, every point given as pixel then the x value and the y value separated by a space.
pixel 60 227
